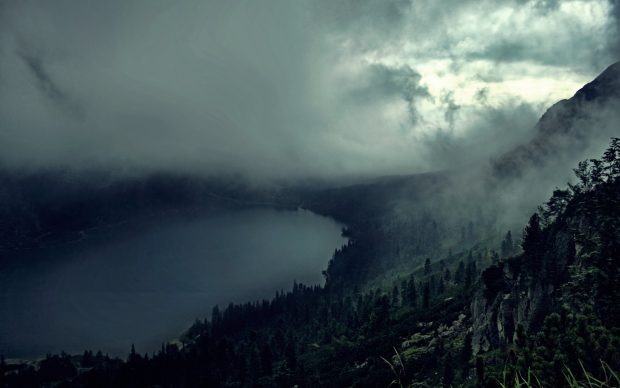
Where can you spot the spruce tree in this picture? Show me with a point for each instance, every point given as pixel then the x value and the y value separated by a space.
pixel 395 296
pixel 507 245
pixel 427 266
pixel 426 295
pixel 412 293
pixel 532 236
pixel 459 275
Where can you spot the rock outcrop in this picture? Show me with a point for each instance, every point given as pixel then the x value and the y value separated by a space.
pixel 519 291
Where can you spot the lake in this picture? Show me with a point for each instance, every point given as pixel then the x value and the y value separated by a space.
pixel 148 286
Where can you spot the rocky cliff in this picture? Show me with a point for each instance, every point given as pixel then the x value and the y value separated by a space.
pixel 573 259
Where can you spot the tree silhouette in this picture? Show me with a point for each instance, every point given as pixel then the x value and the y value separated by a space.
pixel 507 245
pixel 426 295
pixel 532 236
pixel 427 266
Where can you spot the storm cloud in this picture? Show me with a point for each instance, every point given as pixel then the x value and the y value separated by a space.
pixel 287 89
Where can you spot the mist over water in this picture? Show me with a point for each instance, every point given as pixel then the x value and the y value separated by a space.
pixel 147 287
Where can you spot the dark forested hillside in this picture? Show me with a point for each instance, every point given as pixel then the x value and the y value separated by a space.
pixel 550 311
pixel 554 308
pixel 57 206
pixel 381 237
pixel 431 289
pixel 301 194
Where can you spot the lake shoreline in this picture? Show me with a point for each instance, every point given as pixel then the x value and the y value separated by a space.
pixel 298 217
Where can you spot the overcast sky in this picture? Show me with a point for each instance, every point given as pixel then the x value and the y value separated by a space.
pixel 276 89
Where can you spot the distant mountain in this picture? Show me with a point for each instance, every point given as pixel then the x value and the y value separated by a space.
pixel 51 207
pixel 570 130
pixel 423 293
pixel 549 314
pixel 411 217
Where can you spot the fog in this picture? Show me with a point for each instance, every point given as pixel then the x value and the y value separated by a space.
pixel 283 89
pixel 270 93
pixel 149 285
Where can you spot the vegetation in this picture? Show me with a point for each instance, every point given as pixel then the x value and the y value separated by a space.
pixel 435 325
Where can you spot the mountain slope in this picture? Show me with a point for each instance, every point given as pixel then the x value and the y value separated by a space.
pixel 55 207
pixel 405 300
pixel 551 307
pixel 569 130
pixel 556 305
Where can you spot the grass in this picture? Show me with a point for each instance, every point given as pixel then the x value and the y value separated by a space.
pixel 398 369
pixel 610 379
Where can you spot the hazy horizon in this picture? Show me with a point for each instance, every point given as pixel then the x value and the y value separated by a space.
pixel 288 89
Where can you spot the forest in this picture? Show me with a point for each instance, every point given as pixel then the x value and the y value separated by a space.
pixel 537 311
pixel 301 194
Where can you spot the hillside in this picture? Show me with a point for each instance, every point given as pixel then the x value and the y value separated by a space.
pixel 39 209
pixel 549 308
pixel 568 130
pixel 433 287
pixel 309 194
pixel 428 291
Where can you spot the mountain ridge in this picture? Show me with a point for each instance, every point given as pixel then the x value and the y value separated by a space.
pixel 566 127
pixel 406 301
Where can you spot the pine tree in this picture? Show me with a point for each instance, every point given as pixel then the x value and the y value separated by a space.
pixel 381 311
pixel 532 236
pixel 216 316
pixel 404 292
pixel 611 159
pixel 395 296
pixel 133 356
pixel 87 359
pixel 507 245
pixel 266 360
pixel 459 275
pixel 448 370
pixel 470 274
pixel 412 293
pixel 242 369
pixel 597 172
pixel 290 355
pixel 254 364
pixel 427 266
pixel 480 370
pixel 582 172
pixel 555 205
pixel 426 295
pixel 447 276
pixel 441 288
pixel 466 353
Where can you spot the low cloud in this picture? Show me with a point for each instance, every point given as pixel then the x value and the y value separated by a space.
pixel 287 89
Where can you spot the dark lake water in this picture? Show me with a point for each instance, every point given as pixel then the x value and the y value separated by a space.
pixel 148 286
